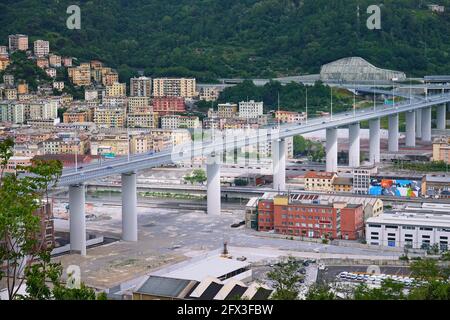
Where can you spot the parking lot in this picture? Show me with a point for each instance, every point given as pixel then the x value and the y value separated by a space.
pixel 331 273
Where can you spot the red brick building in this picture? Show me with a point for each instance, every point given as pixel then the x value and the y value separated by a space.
pixel 297 216
pixel 169 105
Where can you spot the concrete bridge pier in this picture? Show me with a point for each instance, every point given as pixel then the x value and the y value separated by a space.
pixel 354 145
pixel 374 133
pixel 426 124
pixel 213 185
pixel 129 207
pixel 441 117
pixel 393 133
pixel 410 129
pixel 279 164
pixel 77 220
pixel 331 149
pixel 419 123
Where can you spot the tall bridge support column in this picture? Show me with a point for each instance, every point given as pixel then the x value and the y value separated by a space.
pixel 441 117
pixel 426 124
pixel 129 207
pixel 419 123
pixel 77 220
pixel 374 132
pixel 393 133
pixel 279 164
pixel 410 129
pixel 213 185
pixel 331 149
pixel 354 145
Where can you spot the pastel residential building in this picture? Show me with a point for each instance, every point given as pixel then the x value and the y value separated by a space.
pixel 116 90
pixel 177 121
pixel 18 42
pixel 141 87
pixel 289 116
pixel 441 149
pixel 136 104
pixel 227 110
pixel 4 63
pixel 42 63
pixel 320 181
pixel 58 85
pixel 51 72
pixel 174 87
pixel 110 117
pixel 55 61
pixel 169 105
pixel 250 109
pixel 41 48
pixel 142 120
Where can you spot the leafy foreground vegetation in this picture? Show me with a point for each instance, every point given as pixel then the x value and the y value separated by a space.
pixel 432 283
pixel 24 259
pixel 237 38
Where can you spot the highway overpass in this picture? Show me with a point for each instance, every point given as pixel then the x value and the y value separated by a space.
pixel 219 144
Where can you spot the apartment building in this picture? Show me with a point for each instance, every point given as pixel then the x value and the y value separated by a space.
pixel 208 92
pixel 18 42
pixel 42 63
pixel 67 61
pixel 343 185
pixel 65 146
pixel 289 116
pixel 12 112
pixel 76 116
pixel 361 180
pixel 409 230
pixel 4 51
pixel 118 144
pixel 55 61
pixel 227 110
pixel 441 149
pixel 142 120
pixel 116 90
pixel 296 216
pixel 250 109
pixel 51 72
pixel 58 85
pixel 81 75
pixel 177 121
pixel 114 117
pixel 91 94
pixel 174 87
pixel 320 181
pixel 15 162
pixel 10 93
pixel 4 63
pixel 135 104
pixel 41 48
pixel 169 105
pixel 110 77
pixel 42 110
pixel 141 87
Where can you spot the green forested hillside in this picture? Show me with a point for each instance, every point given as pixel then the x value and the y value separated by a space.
pixel 243 38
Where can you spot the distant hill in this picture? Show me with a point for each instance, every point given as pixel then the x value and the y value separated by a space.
pixel 237 38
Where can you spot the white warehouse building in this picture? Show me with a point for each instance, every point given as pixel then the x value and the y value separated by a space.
pixel 411 230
